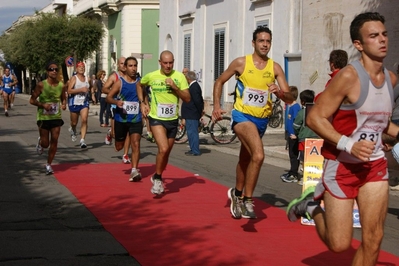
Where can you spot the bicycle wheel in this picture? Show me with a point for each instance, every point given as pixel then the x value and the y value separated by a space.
pixel 221 131
pixel 181 136
pixel 276 119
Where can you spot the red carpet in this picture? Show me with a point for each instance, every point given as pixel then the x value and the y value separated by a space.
pixel 191 224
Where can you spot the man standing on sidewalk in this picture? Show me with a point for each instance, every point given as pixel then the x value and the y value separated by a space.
pixel 256 75
pixel 47 96
pixel 192 112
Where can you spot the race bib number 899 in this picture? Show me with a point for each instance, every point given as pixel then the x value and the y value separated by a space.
pixel 131 108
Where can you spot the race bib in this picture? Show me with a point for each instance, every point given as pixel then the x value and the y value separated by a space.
pixel 370 136
pixel 166 110
pixel 53 110
pixel 255 97
pixel 79 99
pixel 131 108
pixel 7 85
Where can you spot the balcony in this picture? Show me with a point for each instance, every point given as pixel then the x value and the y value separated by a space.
pixel 87 8
pixel 108 6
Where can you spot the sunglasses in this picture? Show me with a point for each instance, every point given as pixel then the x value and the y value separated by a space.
pixel 51 69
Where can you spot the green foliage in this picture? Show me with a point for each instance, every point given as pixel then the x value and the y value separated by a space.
pixel 51 37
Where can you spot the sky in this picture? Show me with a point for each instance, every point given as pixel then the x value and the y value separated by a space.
pixel 11 10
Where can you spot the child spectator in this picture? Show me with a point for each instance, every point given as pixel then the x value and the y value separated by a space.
pixel 293 109
pixel 391 144
pixel 301 130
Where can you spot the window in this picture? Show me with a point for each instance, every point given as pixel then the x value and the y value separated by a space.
pixel 219 52
pixel 187 51
pixel 263 23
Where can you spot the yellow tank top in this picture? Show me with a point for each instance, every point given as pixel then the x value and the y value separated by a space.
pixel 252 92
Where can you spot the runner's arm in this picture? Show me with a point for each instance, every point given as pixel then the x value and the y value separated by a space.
pixel 109 83
pixel 35 94
pixel 236 67
pixel 282 90
pixel 113 92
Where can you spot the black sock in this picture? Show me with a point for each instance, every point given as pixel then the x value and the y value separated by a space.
pixel 247 198
pixel 237 193
pixel 156 176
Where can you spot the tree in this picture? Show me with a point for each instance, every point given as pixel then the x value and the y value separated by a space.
pixel 51 37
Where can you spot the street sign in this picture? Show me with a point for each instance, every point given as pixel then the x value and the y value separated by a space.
pixel 141 56
pixel 69 61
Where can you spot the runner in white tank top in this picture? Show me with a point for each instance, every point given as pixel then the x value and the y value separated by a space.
pixel 359 98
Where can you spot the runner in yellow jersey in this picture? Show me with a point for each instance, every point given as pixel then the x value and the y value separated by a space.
pixel 167 86
pixel 256 75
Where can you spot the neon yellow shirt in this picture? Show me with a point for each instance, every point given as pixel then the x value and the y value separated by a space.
pixel 50 95
pixel 252 92
pixel 164 103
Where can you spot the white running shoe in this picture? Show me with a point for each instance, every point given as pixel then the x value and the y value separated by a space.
pixel 157 187
pixel 135 176
pixel 83 144
pixel 49 170
pixel 108 139
pixel 126 159
pixel 39 149
pixel 73 134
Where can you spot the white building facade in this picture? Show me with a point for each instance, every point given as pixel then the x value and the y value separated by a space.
pixel 206 35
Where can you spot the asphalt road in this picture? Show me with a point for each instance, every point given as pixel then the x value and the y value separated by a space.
pixel 42 223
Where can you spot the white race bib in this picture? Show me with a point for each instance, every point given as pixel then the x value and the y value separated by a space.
pixel 54 109
pixel 7 85
pixel 79 99
pixel 370 136
pixel 255 97
pixel 131 108
pixel 166 110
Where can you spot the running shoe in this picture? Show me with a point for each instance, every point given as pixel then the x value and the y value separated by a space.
pixel 235 204
pixel 49 170
pixel 83 144
pixel 73 134
pixel 126 159
pixel 157 187
pixel 290 179
pixel 6 113
pixel 150 139
pixel 298 207
pixel 394 188
pixel 39 149
pixel 108 139
pixel 247 209
pixel 300 182
pixel 135 176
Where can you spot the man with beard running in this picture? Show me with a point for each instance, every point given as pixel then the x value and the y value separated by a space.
pixel 127 115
